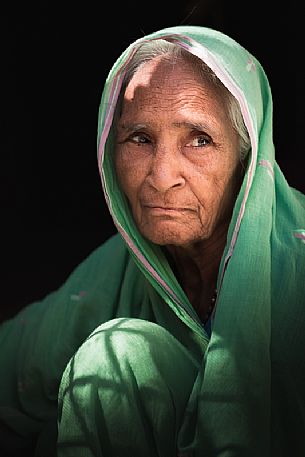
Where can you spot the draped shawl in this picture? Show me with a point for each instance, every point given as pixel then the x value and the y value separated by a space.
pixel 251 388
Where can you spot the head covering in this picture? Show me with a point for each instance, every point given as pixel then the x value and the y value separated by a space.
pixel 250 392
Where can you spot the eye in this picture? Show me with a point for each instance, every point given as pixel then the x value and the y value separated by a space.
pixel 199 141
pixel 139 139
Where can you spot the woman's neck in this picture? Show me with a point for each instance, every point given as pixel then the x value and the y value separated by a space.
pixel 196 266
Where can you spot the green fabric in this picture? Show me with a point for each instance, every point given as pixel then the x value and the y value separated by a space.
pixel 119 394
pixel 38 343
pixel 248 398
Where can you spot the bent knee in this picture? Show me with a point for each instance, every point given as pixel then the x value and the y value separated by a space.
pixel 122 342
pixel 118 339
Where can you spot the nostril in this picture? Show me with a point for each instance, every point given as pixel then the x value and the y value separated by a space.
pixel 179 184
pixel 165 172
pixel 164 182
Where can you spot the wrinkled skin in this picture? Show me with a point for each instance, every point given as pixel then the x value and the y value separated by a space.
pixel 177 161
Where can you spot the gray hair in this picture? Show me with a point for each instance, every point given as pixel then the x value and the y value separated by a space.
pixel 154 48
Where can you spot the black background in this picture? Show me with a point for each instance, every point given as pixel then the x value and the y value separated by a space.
pixel 55 58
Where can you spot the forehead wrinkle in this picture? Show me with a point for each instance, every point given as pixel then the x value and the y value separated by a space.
pixel 168 92
pixel 171 98
pixel 196 104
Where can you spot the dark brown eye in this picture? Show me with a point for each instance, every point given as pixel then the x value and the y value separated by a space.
pixel 139 139
pixel 199 142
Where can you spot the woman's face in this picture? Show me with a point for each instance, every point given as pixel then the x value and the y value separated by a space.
pixel 176 155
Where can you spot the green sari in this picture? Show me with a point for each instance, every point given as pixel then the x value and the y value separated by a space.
pixel 121 333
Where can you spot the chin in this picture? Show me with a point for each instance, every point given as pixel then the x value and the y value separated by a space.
pixel 169 237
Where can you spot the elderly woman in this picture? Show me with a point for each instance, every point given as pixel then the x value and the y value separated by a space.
pixel 183 334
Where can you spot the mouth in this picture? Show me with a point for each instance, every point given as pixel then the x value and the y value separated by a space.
pixel 165 210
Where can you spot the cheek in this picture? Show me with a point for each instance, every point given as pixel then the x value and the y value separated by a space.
pixel 216 189
pixel 207 186
pixel 130 175
pixel 226 188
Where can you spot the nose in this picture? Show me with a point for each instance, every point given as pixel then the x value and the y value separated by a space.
pixel 165 173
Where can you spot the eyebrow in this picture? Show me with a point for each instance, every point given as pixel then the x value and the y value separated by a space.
pixel 192 125
pixel 136 127
pixel 132 127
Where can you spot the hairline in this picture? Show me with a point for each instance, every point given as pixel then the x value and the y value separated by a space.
pixel 160 47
